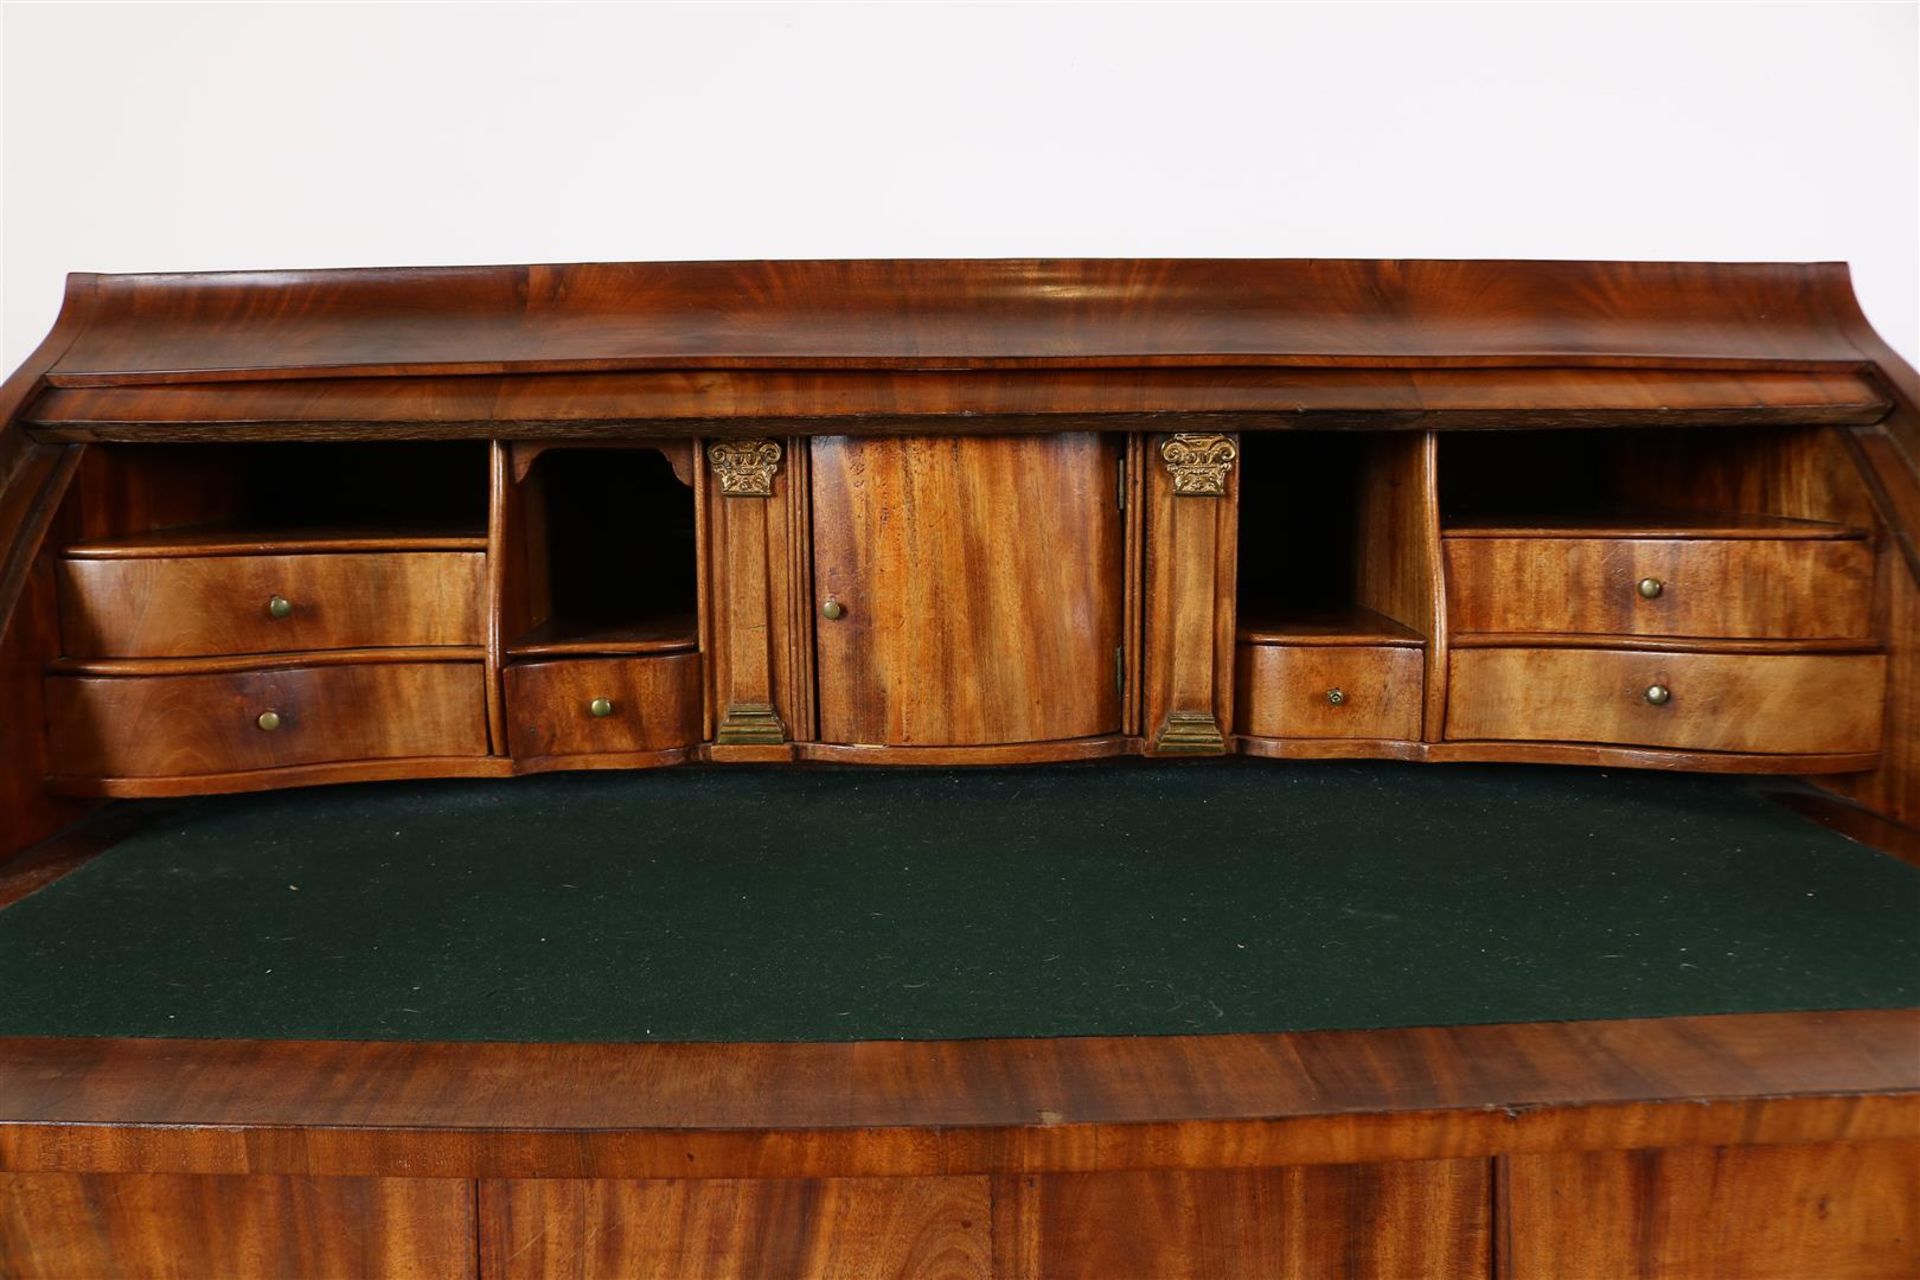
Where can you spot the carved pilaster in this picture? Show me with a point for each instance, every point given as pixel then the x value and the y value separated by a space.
pixel 1190 569
pixel 744 467
pixel 1199 463
pixel 755 515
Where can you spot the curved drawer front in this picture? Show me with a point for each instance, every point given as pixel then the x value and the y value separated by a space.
pixel 603 706
pixel 202 606
pixel 1330 691
pixel 180 726
pixel 1798 589
pixel 1762 703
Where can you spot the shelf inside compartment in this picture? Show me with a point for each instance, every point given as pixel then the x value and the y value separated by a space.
pixel 1646 524
pixel 603 557
pixel 562 637
pixel 278 498
pixel 223 538
pixel 1327 520
pixel 1669 482
pixel 1343 625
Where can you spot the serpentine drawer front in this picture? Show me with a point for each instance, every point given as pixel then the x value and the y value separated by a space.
pixel 1688 701
pixel 1334 691
pixel 589 706
pixel 192 606
pixel 1805 588
pixel 183 725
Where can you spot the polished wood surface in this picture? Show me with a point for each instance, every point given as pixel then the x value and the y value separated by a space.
pixel 1706 587
pixel 1748 702
pixel 654 705
pixel 1836 1211
pixel 162 1227
pixel 1331 691
pixel 161 726
pixel 952 1108
pixel 978 584
pixel 1190 568
pixel 611 406
pixel 185 606
pixel 1412 1219
pixel 948 314
pixel 816 1229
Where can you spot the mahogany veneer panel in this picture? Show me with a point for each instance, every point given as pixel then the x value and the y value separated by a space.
pixel 171 725
pixel 1334 1222
pixel 1833 1211
pixel 827 1229
pixel 982 583
pixel 1747 588
pixel 173 1227
pixel 887 402
pixel 943 314
pixel 1744 702
pixel 186 606
pixel 1284 691
pixel 656 705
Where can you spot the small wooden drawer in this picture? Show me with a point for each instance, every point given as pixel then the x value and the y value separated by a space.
pixel 1329 691
pixel 207 606
pixel 1768 703
pixel 1722 588
pixel 603 706
pixel 187 725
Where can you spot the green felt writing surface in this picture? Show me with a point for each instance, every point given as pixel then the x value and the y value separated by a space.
pixel 1111 898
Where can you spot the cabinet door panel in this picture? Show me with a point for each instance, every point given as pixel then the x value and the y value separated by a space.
pixel 979 582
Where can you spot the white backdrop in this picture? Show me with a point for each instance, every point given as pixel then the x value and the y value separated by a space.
pixel 186 137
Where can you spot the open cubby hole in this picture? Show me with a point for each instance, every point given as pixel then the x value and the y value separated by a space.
pixel 204 496
pixel 1702 480
pixel 610 553
pixel 1330 523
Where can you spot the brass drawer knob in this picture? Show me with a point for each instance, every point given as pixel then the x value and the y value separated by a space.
pixel 833 610
pixel 279 607
pixel 600 708
pixel 1336 697
pixel 1650 588
pixel 1658 695
pixel 268 721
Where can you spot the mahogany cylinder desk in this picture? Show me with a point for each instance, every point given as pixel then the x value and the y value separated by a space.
pixel 276 530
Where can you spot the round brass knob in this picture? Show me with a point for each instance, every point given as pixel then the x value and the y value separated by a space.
pixel 600 708
pixel 268 721
pixel 833 610
pixel 279 607
pixel 1650 588
pixel 1336 697
pixel 1658 695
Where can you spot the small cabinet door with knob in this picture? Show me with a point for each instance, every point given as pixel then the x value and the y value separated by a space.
pixel 968 590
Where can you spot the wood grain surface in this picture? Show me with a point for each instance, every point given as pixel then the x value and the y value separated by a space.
pixel 163 1227
pixel 1749 588
pixel 1286 691
pixel 1824 1211
pixel 803 1229
pixel 161 726
pixel 953 1108
pixel 655 705
pixel 185 606
pixel 1747 702
pixel 1413 1219
pixel 980 583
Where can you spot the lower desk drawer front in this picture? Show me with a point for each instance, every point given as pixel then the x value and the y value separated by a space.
pixel 1768 703
pixel 203 606
pixel 1811 588
pixel 1329 691
pixel 189 725
pixel 603 706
